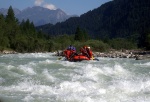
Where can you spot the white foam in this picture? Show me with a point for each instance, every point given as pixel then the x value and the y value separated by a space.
pixel 143 64
pixel 81 92
pixel 27 69
pixel 147 64
pixel 9 67
pixel 117 71
pixel 69 64
pixel 92 72
pixel 129 90
pixel 47 61
pixel 129 87
pixel 102 91
pixel 42 90
pixel 107 70
pixel 71 91
pixel 35 55
pixel 30 87
pixel 145 86
pixel 48 76
pixel 28 98
pixel 69 87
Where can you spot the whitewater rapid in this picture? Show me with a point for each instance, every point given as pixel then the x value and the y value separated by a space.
pixel 41 77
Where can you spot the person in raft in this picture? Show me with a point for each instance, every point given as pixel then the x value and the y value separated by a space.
pixel 86 51
pixel 71 48
pixel 70 52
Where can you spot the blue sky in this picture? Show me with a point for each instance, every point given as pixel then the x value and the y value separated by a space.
pixel 69 6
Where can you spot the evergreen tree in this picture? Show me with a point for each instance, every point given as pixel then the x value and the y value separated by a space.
pixel 12 23
pixel 10 17
pixel 81 35
pixel 3 38
pixel 86 36
pixel 2 25
pixel 77 34
pixel 147 42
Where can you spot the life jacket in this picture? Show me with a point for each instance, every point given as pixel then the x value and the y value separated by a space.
pixel 69 54
pixel 83 51
pixel 86 52
pixel 89 53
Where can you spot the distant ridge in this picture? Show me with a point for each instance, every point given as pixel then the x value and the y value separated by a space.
pixel 4 11
pixel 114 19
pixel 39 15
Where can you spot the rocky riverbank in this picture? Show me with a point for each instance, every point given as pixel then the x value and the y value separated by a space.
pixel 8 52
pixel 136 54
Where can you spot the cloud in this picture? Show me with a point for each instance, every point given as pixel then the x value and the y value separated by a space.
pixel 50 6
pixel 45 5
pixel 38 2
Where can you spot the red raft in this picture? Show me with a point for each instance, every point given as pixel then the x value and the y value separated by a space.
pixel 80 58
pixel 73 56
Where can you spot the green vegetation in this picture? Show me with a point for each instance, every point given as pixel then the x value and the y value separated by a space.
pixel 23 37
pixel 81 35
pixel 121 43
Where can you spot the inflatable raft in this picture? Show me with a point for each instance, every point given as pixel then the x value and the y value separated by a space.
pixel 72 56
pixel 79 58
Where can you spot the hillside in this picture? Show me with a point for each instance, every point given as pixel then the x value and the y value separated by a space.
pixel 39 15
pixel 117 18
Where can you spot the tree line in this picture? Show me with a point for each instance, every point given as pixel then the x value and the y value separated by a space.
pixel 20 36
pixel 23 37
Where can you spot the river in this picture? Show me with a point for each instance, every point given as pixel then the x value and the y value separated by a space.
pixel 41 77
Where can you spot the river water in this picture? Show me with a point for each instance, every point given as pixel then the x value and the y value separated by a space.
pixel 41 77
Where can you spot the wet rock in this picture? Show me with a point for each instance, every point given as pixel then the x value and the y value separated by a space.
pixel 142 57
pixel 59 53
pixel 136 54
pixel 8 52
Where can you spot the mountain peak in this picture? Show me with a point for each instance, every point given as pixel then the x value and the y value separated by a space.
pixel 39 15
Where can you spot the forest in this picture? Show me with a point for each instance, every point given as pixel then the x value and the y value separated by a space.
pixel 127 19
pixel 23 37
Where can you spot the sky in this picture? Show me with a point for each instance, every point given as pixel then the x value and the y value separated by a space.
pixel 71 7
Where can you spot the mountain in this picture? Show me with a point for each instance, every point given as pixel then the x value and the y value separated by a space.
pixel 114 19
pixel 39 15
pixel 4 11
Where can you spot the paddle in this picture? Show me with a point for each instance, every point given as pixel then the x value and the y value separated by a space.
pixel 96 59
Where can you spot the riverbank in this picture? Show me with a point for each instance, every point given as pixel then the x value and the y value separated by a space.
pixel 134 54
pixel 8 52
